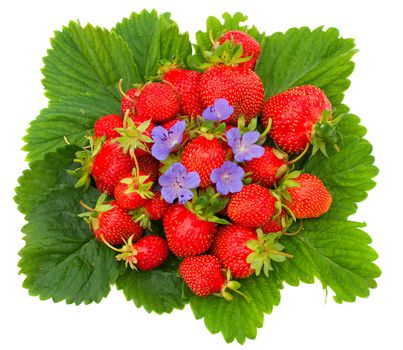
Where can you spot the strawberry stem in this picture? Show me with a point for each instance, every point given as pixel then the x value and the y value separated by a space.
pixel 85 206
pixel 281 253
pixel 300 155
pixel 122 92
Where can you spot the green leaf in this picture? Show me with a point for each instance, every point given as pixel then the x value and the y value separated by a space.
pixel 44 176
pixel 62 259
pixel 70 119
pixel 153 38
pixel 239 319
pixel 87 60
pixel 331 248
pixel 301 56
pixel 158 290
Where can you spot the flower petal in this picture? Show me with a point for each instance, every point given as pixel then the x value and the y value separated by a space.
pixel 249 138
pixel 159 134
pixel 176 133
pixel 233 138
pixel 235 186
pixel 223 109
pixel 184 195
pixel 209 114
pixel 223 187
pixel 255 151
pixel 160 151
pixel 216 175
pixel 191 180
pixel 169 194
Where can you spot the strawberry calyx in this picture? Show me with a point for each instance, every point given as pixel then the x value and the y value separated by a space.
pixel 206 204
pixel 140 215
pixel 324 133
pixel 139 184
pixel 265 250
pixel 91 215
pixel 232 286
pixel 85 158
pixel 133 137
pixel 227 53
pixel 127 252
pixel 208 128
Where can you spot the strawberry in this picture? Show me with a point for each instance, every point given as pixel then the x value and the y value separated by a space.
pixel 250 46
pixel 273 225
pixel 310 199
pixel 294 114
pixel 229 246
pixel 133 192
pixel 202 274
pixel 240 86
pixel 203 156
pixel 106 125
pixel 187 84
pixel 157 101
pixel 186 233
pixel 267 169
pixel 128 102
pixel 110 165
pixel 156 207
pixel 111 223
pixel 146 254
pixel 252 207
pixel 148 165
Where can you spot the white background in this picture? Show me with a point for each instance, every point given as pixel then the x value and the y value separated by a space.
pixel 303 320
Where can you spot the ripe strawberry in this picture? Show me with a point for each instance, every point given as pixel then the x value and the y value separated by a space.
pixel 240 86
pixel 273 225
pixel 106 125
pixel 294 114
pixel 111 223
pixel 157 101
pixel 186 233
pixel 311 199
pixel 187 84
pixel 156 207
pixel 203 156
pixel 250 46
pixel 252 207
pixel 110 165
pixel 149 166
pixel 268 169
pixel 132 192
pixel 202 274
pixel 128 103
pixel 229 246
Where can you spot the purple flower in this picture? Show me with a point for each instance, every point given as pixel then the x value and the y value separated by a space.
pixel 220 111
pixel 166 141
pixel 244 147
pixel 177 183
pixel 228 178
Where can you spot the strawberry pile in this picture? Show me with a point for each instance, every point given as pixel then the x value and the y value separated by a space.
pixel 203 154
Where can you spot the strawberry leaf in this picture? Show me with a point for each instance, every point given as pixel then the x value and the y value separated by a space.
pixel 301 56
pixel 239 319
pixel 331 248
pixel 152 38
pixel 62 259
pixel 87 60
pixel 158 290
pixel 67 120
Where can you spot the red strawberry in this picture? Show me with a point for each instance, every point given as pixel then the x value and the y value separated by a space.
pixel 106 125
pixel 294 114
pixel 187 84
pixel 203 156
pixel 132 192
pixel 149 166
pixel 128 102
pixel 202 274
pixel 111 223
pixel 156 207
pixel 252 207
pixel 157 101
pixel 273 225
pixel 265 170
pixel 240 86
pixel 229 246
pixel 311 199
pixel 110 165
pixel 250 46
pixel 186 233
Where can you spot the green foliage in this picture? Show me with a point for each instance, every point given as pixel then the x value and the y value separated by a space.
pixel 153 38
pixel 301 56
pixel 62 260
